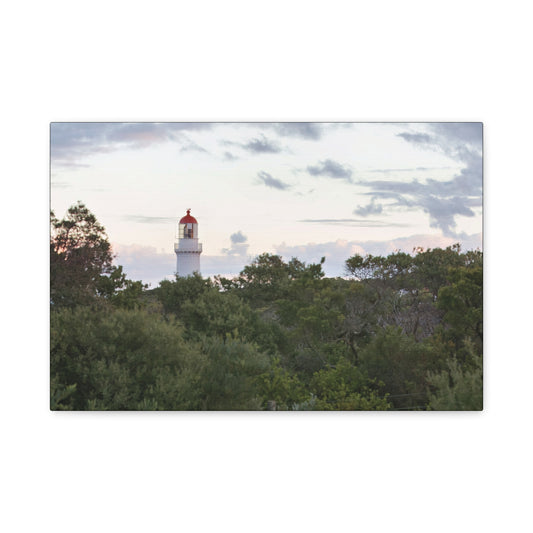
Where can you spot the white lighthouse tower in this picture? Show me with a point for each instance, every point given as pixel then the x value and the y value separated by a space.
pixel 187 249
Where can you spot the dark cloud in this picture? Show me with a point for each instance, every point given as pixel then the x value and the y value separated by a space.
pixel 465 132
pixel 239 245
pixel 140 219
pixel 71 141
pixel 262 146
pixel 228 156
pixel 258 145
pixel 417 138
pixel 311 131
pixel 443 201
pixel 193 147
pixel 238 238
pixel 269 181
pixel 458 140
pixel 304 130
pixel 332 169
pixel 370 209
pixel 139 135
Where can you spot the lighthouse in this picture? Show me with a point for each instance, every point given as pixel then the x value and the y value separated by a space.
pixel 187 249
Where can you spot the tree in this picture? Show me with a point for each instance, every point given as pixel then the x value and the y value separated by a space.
pixel 81 260
pixel 119 359
pixel 433 266
pixel 268 277
pixel 218 314
pixel 343 387
pixel 312 312
pixel 401 364
pixel 229 377
pixel 174 294
pixel 279 388
pixel 392 272
pixel 462 304
pixel 459 387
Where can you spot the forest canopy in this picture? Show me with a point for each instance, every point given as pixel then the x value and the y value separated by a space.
pixel 397 332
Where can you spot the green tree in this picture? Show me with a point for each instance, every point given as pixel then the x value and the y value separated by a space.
pixel 433 265
pixel 228 380
pixel 312 312
pixel 218 314
pixel 80 254
pixel 462 304
pixel 401 364
pixel 459 387
pixel 174 294
pixel 81 263
pixel 344 387
pixel 268 277
pixel 121 359
pixel 278 388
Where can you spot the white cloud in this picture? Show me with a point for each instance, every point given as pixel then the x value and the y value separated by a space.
pixel 337 252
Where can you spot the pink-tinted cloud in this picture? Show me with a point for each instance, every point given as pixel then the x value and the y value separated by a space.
pixel 147 264
pixel 337 252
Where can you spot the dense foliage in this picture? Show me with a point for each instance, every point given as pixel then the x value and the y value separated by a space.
pixel 402 332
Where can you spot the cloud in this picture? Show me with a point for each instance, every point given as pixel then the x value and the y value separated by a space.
pixel 193 147
pixel 304 130
pixel 224 265
pixel 262 146
pixel 353 222
pixel 239 245
pixel 238 238
pixel 464 132
pixel 148 220
pixel 370 209
pixel 337 252
pixel 269 181
pixel 138 135
pixel 228 156
pixel 330 169
pixel 72 141
pixel 458 140
pixel 144 263
pixel 311 131
pixel 443 201
pixel 257 145
pixel 417 138
pixel 415 169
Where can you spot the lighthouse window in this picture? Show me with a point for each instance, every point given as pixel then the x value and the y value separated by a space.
pixel 187 231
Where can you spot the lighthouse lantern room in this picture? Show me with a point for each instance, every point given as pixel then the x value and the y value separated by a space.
pixel 187 249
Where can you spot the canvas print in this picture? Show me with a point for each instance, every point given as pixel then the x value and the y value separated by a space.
pixel 288 266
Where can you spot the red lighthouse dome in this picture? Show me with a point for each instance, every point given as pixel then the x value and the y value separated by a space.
pixel 188 227
pixel 188 219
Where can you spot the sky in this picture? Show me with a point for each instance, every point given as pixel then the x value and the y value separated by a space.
pixel 297 189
